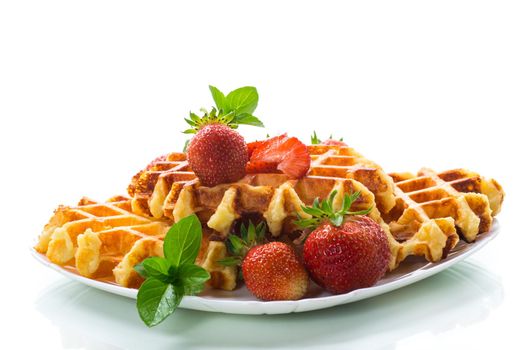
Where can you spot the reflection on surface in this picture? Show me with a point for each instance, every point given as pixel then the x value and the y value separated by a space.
pixel 92 319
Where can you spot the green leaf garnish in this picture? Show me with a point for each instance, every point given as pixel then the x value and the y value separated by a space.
pixel 233 110
pixel 156 300
pixel 248 119
pixel 324 211
pixel 193 275
pixel 242 100
pixel 171 277
pixel 157 267
pixel 183 241
pixel 220 99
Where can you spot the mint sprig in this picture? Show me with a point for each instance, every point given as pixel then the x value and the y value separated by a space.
pixel 324 211
pixel 171 277
pixel 242 102
pixel 233 109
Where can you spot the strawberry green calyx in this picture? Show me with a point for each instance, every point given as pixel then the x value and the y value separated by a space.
pixel 233 109
pixel 238 247
pixel 211 117
pixel 314 140
pixel 324 211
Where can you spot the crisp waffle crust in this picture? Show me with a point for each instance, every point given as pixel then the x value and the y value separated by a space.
pixel 424 214
pixel 106 240
pixel 438 208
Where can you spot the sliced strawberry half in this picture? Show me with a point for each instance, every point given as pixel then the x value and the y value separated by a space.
pixel 280 153
pixel 252 146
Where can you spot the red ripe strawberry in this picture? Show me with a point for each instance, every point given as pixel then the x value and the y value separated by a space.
pixel 280 153
pixel 252 146
pixel 342 256
pixel 273 272
pixel 217 154
pixel 354 255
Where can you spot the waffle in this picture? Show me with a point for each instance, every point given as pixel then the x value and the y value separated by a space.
pixel 463 180
pixel 105 241
pixel 423 214
pixel 156 189
pixel 433 210
pixel 345 162
pixel 168 189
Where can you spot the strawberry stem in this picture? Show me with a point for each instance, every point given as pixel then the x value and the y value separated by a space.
pixel 250 236
pixel 324 211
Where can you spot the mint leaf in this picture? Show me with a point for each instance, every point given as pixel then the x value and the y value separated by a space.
pixel 234 109
pixel 192 289
pixel 191 275
pixel 183 240
pixel 156 267
pixel 243 100
pixel 171 277
pixel 220 99
pixel 156 300
pixel 248 119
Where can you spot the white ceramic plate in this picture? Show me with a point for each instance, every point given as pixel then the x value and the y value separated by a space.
pixel 241 301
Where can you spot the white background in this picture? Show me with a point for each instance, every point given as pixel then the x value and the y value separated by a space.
pixel 91 91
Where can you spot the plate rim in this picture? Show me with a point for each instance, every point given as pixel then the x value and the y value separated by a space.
pixel 287 306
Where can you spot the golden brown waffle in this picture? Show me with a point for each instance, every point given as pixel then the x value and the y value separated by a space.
pixel 431 208
pixel 106 240
pixel 156 189
pixel 167 188
pixel 464 180
pixel 345 162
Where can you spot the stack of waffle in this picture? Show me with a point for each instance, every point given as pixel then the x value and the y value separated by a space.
pixel 421 215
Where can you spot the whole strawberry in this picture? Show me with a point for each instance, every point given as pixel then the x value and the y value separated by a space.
pixel 273 272
pixel 217 153
pixel 342 256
